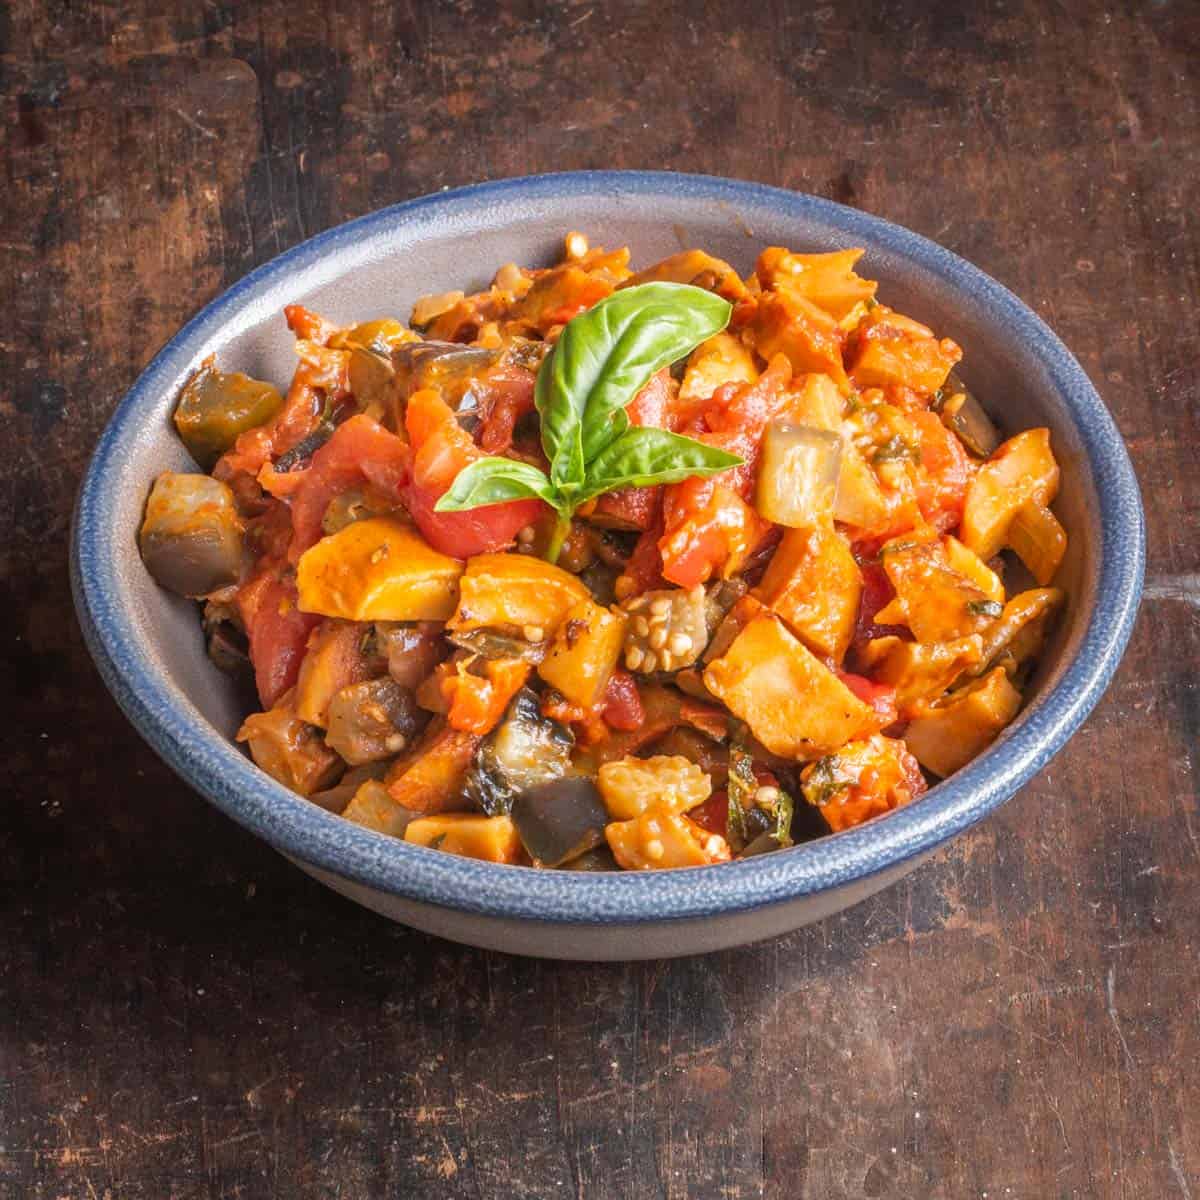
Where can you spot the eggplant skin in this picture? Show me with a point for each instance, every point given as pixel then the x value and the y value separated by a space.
pixel 191 539
pixel 525 749
pixel 560 820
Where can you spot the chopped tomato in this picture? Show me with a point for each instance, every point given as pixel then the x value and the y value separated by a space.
pixel 643 571
pixel 476 703
pixel 747 407
pixel 720 536
pixel 277 631
pixel 306 324
pixel 621 705
pixel 441 448
pixel 880 696
pixel 945 472
pixel 360 451
pixel 651 407
pixel 877 593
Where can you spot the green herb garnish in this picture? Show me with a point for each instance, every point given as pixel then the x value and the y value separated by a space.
pixel 602 359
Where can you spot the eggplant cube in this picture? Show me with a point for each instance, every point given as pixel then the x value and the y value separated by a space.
pixel 191 538
pixel 560 820
pixel 798 474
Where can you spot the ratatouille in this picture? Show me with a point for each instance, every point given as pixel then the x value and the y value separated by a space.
pixel 602 569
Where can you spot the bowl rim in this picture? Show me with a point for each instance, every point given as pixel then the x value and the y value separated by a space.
pixel 303 830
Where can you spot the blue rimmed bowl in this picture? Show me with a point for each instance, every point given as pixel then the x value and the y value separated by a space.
pixel 148 645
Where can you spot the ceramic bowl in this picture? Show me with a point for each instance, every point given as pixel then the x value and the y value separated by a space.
pixel 148 646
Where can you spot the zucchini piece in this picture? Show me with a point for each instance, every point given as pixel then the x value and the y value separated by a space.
pixel 659 840
pixel 948 735
pixel 632 785
pixel 1038 540
pixel 1022 469
pixel 216 407
pixel 290 750
pixel 666 629
pixel 963 415
pixel 798 475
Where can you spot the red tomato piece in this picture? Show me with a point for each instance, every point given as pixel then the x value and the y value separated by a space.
pixel 945 472
pixel 880 696
pixel 360 451
pixel 621 705
pixel 277 631
pixel 713 814
pixel 441 448
pixel 697 543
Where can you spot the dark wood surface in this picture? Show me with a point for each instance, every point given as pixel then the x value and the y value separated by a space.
pixel 183 1014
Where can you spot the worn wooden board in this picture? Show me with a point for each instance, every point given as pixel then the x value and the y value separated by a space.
pixel 182 1014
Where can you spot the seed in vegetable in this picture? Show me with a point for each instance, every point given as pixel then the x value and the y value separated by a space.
pixel 633 658
pixel 641 627
pixel 534 633
pixel 526 535
pixel 649 662
pixel 658 638
pixel 660 606
pixel 680 644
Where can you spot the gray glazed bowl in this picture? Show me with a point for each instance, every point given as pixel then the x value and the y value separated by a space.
pixel 148 644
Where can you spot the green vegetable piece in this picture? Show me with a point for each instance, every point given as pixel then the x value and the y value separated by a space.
pixel 216 407
pixel 602 359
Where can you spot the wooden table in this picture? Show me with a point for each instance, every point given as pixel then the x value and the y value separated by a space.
pixel 183 1014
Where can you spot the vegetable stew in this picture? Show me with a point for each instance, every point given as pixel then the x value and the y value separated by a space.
pixel 607 569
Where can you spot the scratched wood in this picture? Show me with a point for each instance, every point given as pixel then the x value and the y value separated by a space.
pixel 184 1015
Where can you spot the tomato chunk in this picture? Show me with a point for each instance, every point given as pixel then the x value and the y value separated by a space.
pixel 441 448
pixel 277 631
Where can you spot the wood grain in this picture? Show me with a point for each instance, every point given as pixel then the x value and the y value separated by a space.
pixel 182 1014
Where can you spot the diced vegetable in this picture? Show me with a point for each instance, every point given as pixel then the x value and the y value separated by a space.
pixel 290 750
pixel 432 777
pixel 524 750
pixel 477 698
pixel 1020 631
pixel 659 840
pixel 666 629
pixel 967 562
pixel 584 653
pixel 963 415
pixel 1022 469
pixel 722 359
pixel 815 585
pixel 337 799
pixel 379 569
pixel 894 351
pixel 861 502
pixel 920 670
pixel 828 280
pixel 489 643
pixel 630 786
pixel 412 649
pixel 517 593
pixel 792 703
pixel 936 602
pixel 372 720
pixel 191 538
pixel 492 839
pixel 717 537
pixel 560 820
pixel 948 735
pixel 373 807
pixel 864 779
pixel 1038 540
pixel 789 324
pixel 335 659
pixel 216 406
pixel 798 475
pixel 694 267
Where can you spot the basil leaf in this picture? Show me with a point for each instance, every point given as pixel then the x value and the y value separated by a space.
pixel 605 356
pixel 494 481
pixel 643 456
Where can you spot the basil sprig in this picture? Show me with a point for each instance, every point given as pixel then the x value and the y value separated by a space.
pixel 602 359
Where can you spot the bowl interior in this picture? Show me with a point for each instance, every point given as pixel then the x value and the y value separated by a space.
pixel 378 266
